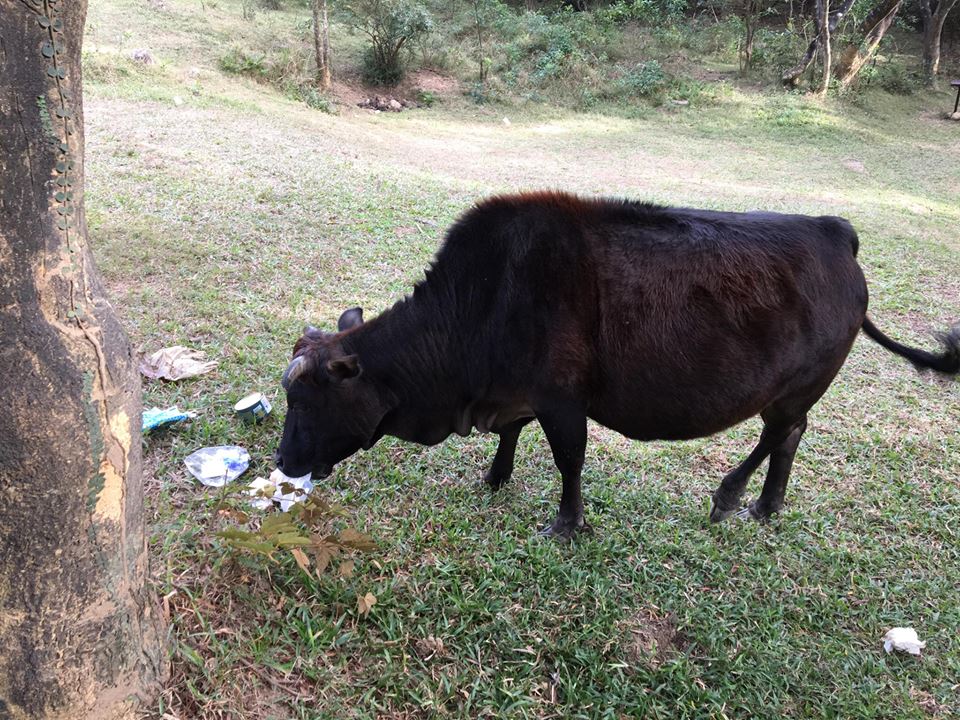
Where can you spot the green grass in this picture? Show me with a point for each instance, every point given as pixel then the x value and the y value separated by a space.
pixel 229 221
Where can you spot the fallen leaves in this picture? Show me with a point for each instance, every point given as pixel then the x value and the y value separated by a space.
pixel 366 603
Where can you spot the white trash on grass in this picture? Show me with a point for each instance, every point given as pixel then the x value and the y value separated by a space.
pixel 299 488
pixel 176 363
pixel 903 639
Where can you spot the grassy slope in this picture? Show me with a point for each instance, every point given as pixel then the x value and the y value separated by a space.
pixel 229 221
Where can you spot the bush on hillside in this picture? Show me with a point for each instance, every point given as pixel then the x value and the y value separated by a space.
pixel 392 26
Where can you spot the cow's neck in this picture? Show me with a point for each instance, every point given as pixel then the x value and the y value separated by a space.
pixel 415 356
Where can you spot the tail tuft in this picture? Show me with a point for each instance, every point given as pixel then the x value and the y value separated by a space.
pixel 951 357
pixel 947 362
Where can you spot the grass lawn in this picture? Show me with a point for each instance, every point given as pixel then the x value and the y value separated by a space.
pixel 225 216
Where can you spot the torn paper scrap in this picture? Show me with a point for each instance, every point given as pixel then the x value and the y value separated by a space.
pixel 903 639
pixel 262 492
pixel 176 363
pixel 299 488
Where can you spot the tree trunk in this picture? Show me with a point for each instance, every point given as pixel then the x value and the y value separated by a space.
pixel 749 16
pixel 824 12
pixel 321 42
pixel 792 76
pixel 81 637
pixel 932 32
pixel 874 27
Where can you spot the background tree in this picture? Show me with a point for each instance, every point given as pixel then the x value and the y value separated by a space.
pixel 793 75
pixel 872 29
pixel 934 14
pixel 321 42
pixel 749 11
pixel 391 25
pixel 79 634
pixel 823 15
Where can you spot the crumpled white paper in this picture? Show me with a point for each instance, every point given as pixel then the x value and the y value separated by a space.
pixel 300 487
pixel 176 363
pixel 904 639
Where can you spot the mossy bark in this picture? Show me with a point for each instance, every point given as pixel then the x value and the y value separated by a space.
pixel 80 634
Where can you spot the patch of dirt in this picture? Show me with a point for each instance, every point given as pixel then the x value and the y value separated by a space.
pixel 353 93
pixel 429 647
pixel 651 638
pixel 429 81
pixel 928 703
pixel 856 166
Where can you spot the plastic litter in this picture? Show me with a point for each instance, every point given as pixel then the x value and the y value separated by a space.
pixel 176 363
pixel 154 418
pixel 299 488
pixel 216 466
pixel 903 639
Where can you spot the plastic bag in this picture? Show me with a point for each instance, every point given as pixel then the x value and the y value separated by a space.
pixel 216 466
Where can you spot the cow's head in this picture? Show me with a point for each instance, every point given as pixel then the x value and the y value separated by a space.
pixel 332 409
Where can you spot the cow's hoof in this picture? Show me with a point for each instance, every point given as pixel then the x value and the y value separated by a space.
pixel 494 480
pixel 754 512
pixel 564 529
pixel 719 515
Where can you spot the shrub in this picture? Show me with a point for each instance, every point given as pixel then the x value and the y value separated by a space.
pixel 391 25
pixel 240 62
pixel 647 79
pixel 427 98
pixel 893 77
pixel 545 48
pixel 646 12
pixel 776 51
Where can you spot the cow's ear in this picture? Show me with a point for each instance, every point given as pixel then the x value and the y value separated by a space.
pixel 350 319
pixel 301 365
pixel 344 368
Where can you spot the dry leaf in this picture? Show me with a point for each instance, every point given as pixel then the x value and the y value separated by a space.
pixel 322 555
pixel 365 603
pixel 302 560
pixel 346 568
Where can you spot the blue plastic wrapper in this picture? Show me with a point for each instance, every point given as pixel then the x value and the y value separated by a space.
pixel 154 418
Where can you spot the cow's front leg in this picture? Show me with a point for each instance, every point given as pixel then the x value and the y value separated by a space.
pixel 502 466
pixel 565 425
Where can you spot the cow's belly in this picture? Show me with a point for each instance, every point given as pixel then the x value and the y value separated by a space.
pixel 644 414
pixel 650 402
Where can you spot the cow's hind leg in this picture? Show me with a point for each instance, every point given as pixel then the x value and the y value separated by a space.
pixel 726 500
pixel 502 466
pixel 775 486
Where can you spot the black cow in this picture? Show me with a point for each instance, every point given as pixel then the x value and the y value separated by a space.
pixel 660 323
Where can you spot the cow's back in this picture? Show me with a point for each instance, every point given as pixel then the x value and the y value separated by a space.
pixel 646 312
pixel 707 318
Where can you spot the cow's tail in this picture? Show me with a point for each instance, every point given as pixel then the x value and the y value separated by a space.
pixel 947 362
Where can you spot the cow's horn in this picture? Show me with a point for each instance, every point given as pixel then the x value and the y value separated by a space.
pixel 298 367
